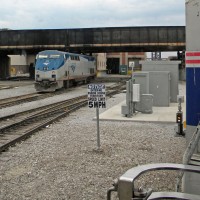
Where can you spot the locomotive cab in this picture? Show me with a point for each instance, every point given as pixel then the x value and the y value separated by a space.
pixel 56 69
pixel 46 70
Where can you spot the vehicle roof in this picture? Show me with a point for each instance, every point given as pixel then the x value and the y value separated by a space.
pixel 62 52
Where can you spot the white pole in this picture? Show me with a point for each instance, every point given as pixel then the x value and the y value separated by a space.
pixel 98 134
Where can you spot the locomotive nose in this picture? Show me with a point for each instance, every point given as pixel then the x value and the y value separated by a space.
pixel 45 68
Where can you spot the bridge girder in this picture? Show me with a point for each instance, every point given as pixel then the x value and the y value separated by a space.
pixel 95 40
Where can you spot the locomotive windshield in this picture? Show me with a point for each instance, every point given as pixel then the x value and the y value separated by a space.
pixel 42 56
pixel 54 56
pixel 47 62
pixel 48 56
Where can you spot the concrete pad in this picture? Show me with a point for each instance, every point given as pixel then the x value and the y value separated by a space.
pixel 160 114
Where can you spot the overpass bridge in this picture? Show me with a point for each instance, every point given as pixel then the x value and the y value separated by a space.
pixel 91 40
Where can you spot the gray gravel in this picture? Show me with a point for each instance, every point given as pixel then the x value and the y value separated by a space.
pixel 29 89
pixel 61 161
pixel 18 88
pixel 34 104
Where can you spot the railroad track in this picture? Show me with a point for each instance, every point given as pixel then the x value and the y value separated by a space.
pixel 17 127
pixel 18 99
pixel 11 101
pixel 5 87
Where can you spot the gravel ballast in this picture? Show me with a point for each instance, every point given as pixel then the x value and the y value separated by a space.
pixel 62 161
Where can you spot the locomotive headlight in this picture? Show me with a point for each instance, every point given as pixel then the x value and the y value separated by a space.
pixel 37 76
pixel 53 76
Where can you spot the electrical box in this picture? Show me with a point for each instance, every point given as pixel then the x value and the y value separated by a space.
pixel 136 92
pixel 124 110
pixel 159 86
pixel 142 78
pixel 123 69
pixel 146 104
pixel 165 65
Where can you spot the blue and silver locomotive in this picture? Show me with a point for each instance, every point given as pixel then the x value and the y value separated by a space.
pixel 56 69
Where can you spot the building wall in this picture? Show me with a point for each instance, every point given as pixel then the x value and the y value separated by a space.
pixel 31 59
pixel 127 58
pixel 124 56
pixel 17 60
pixel 18 65
pixel 4 63
pixel 100 63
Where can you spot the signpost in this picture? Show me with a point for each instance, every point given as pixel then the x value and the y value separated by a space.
pixel 97 99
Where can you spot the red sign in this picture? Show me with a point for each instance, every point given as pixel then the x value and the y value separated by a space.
pixel 192 59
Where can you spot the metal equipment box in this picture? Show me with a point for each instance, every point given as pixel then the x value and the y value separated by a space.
pixel 156 83
pixel 165 65
pixel 146 104
pixel 124 110
pixel 142 78
pixel 123 69
pixel 136 92
pixel 160 88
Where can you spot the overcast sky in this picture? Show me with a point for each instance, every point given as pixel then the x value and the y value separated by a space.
pixel 58 14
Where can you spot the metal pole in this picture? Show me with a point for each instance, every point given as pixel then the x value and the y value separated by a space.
pixel 98 134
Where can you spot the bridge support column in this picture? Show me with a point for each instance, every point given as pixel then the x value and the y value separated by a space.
pixel 30 58
pixel 4 66
pixel 191 182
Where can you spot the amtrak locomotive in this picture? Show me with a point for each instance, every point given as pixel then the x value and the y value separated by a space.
pixel 56 69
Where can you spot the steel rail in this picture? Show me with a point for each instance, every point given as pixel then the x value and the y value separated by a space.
pixel 19 129
pixel 24 116
pixel 14 100
pixel 10 139
pixel 27 98
pixel 40 108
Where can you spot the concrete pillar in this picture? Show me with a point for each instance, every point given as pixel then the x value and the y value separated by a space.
pixel 101 64
pixel 4 66
pixel 191 183
pixel 31 65
pixel 30 59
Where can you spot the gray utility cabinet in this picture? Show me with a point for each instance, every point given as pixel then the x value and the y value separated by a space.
pixel 156 83
pixel 165 65
pixel 160 87
pixel 142 78
pixel 146 104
